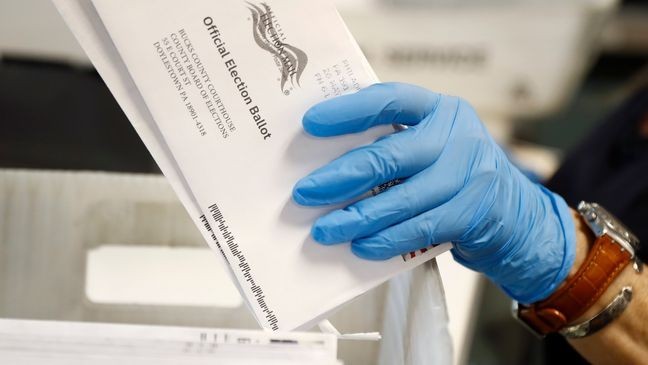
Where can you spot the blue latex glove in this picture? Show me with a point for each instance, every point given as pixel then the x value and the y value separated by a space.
pixel 459 186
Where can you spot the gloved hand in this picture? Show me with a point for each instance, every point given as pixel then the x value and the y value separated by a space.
pixel 458 186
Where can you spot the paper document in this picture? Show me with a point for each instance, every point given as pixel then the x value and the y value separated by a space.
pixel 26 342
pixel 217 90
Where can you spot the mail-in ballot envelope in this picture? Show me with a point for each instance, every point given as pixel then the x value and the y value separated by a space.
pixel 217 91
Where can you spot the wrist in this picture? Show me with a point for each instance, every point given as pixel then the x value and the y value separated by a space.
pixel 596 289
pixel 584 242
pixel 584 239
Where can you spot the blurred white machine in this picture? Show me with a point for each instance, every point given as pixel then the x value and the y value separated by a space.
pixel 509 58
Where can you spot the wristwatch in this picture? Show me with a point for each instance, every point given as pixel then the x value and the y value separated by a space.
pixel 614 248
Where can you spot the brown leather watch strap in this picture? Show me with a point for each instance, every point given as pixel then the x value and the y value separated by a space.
pixel 604 262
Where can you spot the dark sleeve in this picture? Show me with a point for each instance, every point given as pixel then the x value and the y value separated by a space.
pixel 609 167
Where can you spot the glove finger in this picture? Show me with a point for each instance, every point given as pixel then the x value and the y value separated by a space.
pixel 445 223
pixel 422 192
pixel 375 105
pixel 399 155
pixel 359 170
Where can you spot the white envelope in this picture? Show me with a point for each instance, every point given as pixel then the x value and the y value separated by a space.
pixel 216 90
pixel 27 342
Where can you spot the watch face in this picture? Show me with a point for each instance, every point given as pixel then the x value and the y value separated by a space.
pixel 614 226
